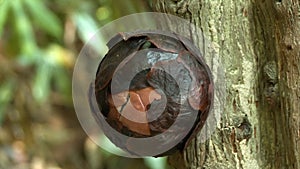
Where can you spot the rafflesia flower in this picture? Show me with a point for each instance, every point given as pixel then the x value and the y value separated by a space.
pixel 154 86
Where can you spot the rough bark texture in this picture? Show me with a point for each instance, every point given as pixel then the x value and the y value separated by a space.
pixel 258 43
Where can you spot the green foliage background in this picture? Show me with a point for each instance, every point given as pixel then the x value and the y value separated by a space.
pixel 40 41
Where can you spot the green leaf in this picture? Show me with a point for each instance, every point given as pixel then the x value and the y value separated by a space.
pixel 6 94
pixel 87 29
pixel 46 19
pixel 24 30
pixel 4 6
pixel 154 163
pixel 62 81
pixel 41 85
pixel 86 25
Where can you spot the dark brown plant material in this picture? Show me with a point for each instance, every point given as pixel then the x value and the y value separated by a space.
pixel 171 82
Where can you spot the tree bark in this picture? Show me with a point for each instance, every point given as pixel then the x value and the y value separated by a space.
pixel 258 43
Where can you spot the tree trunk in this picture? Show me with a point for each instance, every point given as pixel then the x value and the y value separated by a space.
pixel 258 43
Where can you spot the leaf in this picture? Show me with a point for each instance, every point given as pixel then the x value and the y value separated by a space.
pixel 62 81
pixel 45 18
pixel 25 32
pixel 6 93
pixel 154 163
pixel 86 25
pixel 41 84
pixel 4 6
pixel 87 29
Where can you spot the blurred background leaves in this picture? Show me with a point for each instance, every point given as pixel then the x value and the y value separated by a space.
pixel 40 41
